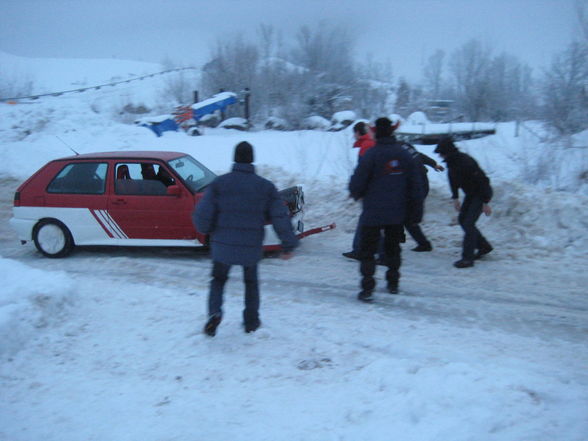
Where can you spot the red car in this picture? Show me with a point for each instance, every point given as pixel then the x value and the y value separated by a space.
pixel 133 198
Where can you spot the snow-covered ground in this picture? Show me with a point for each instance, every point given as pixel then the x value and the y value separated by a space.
pixel 107 343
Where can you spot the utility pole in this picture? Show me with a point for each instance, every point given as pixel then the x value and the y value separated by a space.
pixel 246 99
pixel 222 112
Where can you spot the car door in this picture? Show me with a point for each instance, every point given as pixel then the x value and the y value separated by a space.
pixel 75 196
pixel 141 206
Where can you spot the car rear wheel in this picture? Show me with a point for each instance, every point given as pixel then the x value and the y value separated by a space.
pixel 52 238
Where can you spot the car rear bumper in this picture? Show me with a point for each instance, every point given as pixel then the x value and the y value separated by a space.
pixel 23 228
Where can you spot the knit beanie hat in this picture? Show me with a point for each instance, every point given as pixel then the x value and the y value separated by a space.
pixel 360 128
pixel 244 153
pixel 385 127
pixel 445 147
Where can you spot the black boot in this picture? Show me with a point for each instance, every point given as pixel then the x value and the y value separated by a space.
pixel 463 263
pixel 393 287
pixel 351 255
pixel 423 247
pixel 365 296
pixel 482 252
pixel 211 325
pixel 253 326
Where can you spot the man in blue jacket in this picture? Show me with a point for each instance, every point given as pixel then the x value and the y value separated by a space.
pixel 388 180
pixel 233 211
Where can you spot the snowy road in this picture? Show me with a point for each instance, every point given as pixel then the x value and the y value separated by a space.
pixel 498 352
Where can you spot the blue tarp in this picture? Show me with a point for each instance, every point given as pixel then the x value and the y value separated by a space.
pixel 163 126
pixel 220 101
pixel 164 123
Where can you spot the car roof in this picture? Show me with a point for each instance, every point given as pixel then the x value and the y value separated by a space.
pixel 128 154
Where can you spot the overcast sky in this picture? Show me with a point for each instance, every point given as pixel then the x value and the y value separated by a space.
pixel 406 32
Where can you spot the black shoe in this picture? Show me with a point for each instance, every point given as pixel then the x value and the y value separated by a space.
pixel 351 255
pixel 252 327
pixel 393 287
pixel 421 248
pixel 463 263
pixel 482 252
pixel 211 325
pixel 365 296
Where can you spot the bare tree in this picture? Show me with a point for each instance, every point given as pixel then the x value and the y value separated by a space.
pixel 433 74
pixel 179 84
pixel 315 75
pixel 325 50
pixel 582 14
pixel 470 66
pixel 234 65
pixel 566 90
pixel 510 95
pixel 325 54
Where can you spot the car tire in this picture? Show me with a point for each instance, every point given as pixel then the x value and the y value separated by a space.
pixel 52 238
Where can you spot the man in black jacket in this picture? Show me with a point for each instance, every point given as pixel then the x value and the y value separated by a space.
pixel 423 244
pixel 465 173
pixel 387 180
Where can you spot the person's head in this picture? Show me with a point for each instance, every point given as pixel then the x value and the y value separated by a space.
pixel 445 147
pixel 147 171
pixel 360 129
pixel 385 127
pixel 244 153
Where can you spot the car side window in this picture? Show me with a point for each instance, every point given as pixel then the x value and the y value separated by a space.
pixel 80 178
pixel 141 178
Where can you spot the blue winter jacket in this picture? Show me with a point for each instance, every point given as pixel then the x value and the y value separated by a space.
pixel 234 210
pixel 388 180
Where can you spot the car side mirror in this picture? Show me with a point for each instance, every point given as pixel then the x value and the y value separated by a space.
pixel 174 190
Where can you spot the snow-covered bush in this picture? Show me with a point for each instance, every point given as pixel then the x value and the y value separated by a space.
pixel 315 122
pixel 234 123
pixel 275 123
pixel 417 118
pixel 341 120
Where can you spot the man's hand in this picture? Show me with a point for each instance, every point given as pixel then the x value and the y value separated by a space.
pixel 456 204
pixel 487 209
pixel 286 256
pixel 439 167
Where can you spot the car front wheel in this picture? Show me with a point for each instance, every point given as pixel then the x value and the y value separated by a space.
pixel 52 238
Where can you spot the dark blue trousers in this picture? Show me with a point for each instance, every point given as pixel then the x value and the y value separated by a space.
pixel 220 275
pixel 370 238
pixel 470 211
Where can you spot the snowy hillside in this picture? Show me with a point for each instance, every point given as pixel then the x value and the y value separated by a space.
pixel 107 343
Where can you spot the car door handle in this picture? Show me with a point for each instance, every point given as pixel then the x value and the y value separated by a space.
pixel 119 202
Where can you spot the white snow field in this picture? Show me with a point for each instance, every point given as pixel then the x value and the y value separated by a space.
pixel 106 344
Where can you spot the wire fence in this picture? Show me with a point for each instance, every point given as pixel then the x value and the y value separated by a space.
pixel 95 87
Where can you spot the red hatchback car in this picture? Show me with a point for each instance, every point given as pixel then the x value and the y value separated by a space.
pixel 133 198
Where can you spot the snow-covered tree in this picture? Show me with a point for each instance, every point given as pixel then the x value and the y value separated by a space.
pixel 433 74
pixel 470 67
pixel 565 90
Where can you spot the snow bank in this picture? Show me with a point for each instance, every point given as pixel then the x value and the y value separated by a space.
pixel 30 299
pixel 492 353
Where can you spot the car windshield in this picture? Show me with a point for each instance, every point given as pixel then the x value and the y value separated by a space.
pixel 194 174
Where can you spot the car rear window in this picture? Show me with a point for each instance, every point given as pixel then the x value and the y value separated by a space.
pixel 80 178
